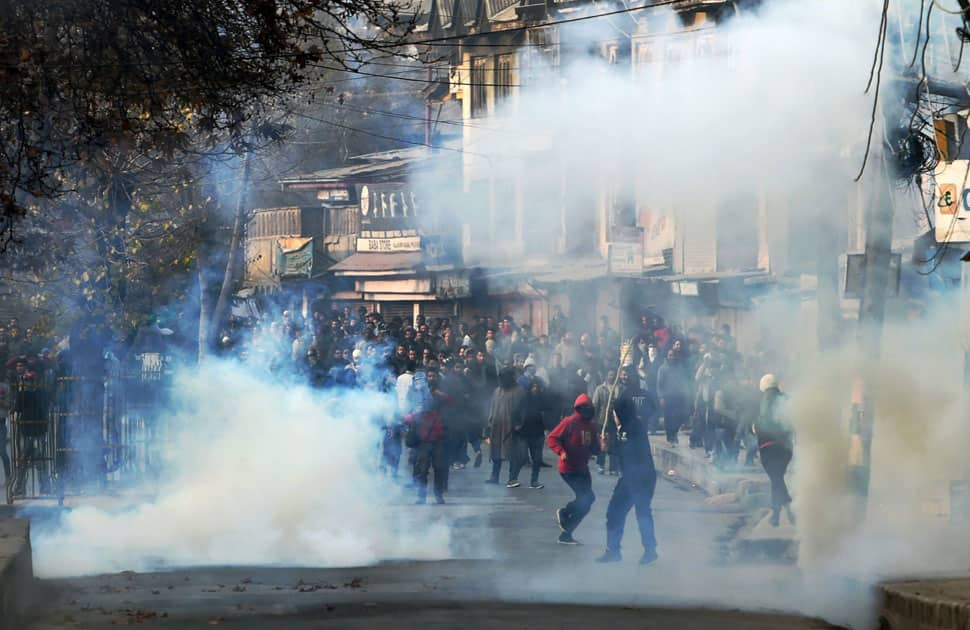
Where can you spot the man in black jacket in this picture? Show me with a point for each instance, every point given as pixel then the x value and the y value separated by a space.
pixel 638 478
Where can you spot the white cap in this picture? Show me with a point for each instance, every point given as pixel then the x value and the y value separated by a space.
pixel 768 381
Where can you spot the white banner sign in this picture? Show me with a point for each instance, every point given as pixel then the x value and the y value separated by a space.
pixel 404 244
pixel 626 258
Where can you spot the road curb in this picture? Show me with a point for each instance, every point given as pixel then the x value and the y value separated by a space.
pixel 749 490
pixel 16 569
pixel 925 605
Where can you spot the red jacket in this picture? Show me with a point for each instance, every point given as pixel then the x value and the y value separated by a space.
pixel 577 438
pixel 428 424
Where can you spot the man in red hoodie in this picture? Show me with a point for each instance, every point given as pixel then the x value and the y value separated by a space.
pixel 575 440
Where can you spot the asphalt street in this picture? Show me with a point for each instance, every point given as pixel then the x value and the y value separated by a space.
pixel 507 571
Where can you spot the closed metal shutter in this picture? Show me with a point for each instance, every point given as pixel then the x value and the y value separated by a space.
pixel 438 309
pixel 404 310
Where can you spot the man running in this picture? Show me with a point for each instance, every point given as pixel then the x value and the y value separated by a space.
pixel 638 477
pixel 575 440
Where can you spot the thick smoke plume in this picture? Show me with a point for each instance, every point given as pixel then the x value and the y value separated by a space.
pixel 260 472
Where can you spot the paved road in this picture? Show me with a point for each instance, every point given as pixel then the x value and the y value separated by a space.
pixel 508 572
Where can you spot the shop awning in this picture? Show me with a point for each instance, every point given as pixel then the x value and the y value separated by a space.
pixel 569 271
pixel 372 263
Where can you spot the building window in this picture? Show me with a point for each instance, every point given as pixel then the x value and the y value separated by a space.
pixel 951 132
pixel 504 78
pixel 479 213
pixel 479 88
pixel 342 221
pixel 503 212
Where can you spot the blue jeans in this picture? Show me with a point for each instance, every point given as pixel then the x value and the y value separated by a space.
pixel 577 509
pixel 631 492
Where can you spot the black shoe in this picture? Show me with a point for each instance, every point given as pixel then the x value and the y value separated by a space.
pixel 566 538
pixel 535 485
pixel 609 556
pixel 439 500
pixel 648 558
pixel 492 481
pixel 513 483
pixel 544 465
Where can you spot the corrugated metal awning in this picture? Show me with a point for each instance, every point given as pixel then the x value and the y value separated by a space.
pixel 370 263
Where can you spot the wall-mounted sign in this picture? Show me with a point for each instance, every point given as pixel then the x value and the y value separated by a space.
pixel 400 244
pixel 854 280
pixel 658 234
pixel 626 258
pixel 951 201
pixel 294 257
pixel 452 285
pixel 387 211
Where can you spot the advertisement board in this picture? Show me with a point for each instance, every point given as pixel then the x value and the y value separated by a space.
pixel 951 203
pixel 388 211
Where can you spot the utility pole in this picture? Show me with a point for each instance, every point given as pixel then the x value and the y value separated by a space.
pixel 872 310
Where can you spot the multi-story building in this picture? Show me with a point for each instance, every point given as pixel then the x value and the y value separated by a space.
pixel 531 229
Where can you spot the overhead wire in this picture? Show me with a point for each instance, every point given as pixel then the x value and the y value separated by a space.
pixel 945 10
pixel 879 57
pixel 919 33
pixel 391 138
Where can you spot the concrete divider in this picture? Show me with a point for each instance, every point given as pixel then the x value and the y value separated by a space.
pixel 750 488
pixel 925 605
pixel 16 570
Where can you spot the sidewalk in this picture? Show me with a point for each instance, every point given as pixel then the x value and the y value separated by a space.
pixel 746 490
pixel 747 487
pixel 16 567
pixel 927 604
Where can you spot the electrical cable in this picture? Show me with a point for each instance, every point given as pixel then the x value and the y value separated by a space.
pixel 391 138
pixel 945 10
pixel 919 33
pixel 880 55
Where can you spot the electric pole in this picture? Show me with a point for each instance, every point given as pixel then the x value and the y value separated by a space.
pixel 876 286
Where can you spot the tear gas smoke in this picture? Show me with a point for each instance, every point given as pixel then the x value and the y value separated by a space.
pixel 783 118
pixel 258 472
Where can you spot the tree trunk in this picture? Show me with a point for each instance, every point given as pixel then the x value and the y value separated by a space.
pixel 203 313
pixel 238 224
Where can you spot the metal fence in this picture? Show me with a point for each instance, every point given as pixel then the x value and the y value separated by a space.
pixel 85 434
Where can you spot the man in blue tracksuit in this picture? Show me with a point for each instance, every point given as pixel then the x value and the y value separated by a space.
pixel 638 477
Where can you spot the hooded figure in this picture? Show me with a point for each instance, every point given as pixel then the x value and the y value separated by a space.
pixel 638 476
pixel 575 440
pixel 505 416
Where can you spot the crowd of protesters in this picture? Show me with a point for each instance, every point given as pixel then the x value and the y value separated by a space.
pixel 491 379
pixel 490 388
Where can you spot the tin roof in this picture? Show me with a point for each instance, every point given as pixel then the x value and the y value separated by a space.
pixel 373 262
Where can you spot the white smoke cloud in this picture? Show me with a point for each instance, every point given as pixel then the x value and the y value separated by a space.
pixel 258 472
pixel 784 116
